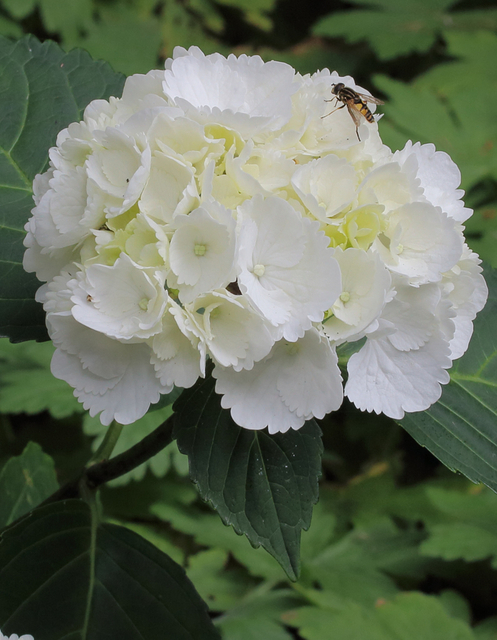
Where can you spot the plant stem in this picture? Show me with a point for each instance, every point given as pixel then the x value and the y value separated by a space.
pixel 104 471
pixel 100 472
pixel 107 445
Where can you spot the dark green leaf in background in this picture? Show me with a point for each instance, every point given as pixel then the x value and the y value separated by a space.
pixel 207 532
pixel 25 481
pixel 486 630
pixel 142 36
pixel 264 485
pixel 470 529
pixel 28 386
pixel 257 617
pixel 461 428
pixel 409 616
pixel 449 106
pixel 68 18
pixel 392 28
pixel 63 576
pixel 19 8
pixel 42 90
pixel 9 28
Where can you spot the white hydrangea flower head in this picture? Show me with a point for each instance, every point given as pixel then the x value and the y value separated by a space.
pixel 14 636
pixel 225 209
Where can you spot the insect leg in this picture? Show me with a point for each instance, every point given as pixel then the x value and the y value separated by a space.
pixel 329 114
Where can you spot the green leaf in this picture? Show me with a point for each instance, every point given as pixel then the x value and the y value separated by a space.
pixel 25 481
pixel 207 531
pixel 9 28
pixel 42 90
pixel 460 540
pixel 398 28
pixel 460 428
pixel 158 538
pixel 438 106
pixel 220 587
pixel 415 615
pixel 209 15
pixel 481 233
pixel 181 27
pixel 68 18
pixel 262 485
pixel 470 532
pixel 486 630
pixel 409 616
pixel 473 20
pixel 253 629
pixel 19 8
pixel 63 575
pixel 365 555
pixel 28 386
pixel 255 12
pixel 456 605
pixel 258 616
pixel 133 501
pixel 130 43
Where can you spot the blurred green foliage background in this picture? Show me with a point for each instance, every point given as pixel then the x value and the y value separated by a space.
pixel 399 548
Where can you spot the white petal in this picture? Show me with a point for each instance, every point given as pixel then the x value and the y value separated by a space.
pixel 123 300
pixel 202 251
pixel 177 359
pixel 468 294
pixel 390 185
pixel 326 186
pixel 127 396
pixel 226 89
pixel 285 266
pixel 170 189
pixel 439 176
pixel 294 383
pixel 413 312
pixel 234 334
pixel 385 380
pixel 365 290
pixel 423 243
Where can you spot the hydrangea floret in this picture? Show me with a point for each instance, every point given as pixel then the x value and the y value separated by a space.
pixel 220 209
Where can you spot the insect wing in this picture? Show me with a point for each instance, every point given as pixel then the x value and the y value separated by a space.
pixel 355 114
pixel 368 98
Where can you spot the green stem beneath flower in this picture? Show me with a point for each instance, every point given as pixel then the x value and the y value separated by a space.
pixel 98 473
pixel 107 445
pixel 104 471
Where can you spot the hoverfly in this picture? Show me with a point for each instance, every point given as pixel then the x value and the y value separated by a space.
pixel 355 102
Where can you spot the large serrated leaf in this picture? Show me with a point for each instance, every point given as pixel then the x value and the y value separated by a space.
pixel 42 90
pixel 64 576
pixel 25 481
pixel 460 429
pixel 264 486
